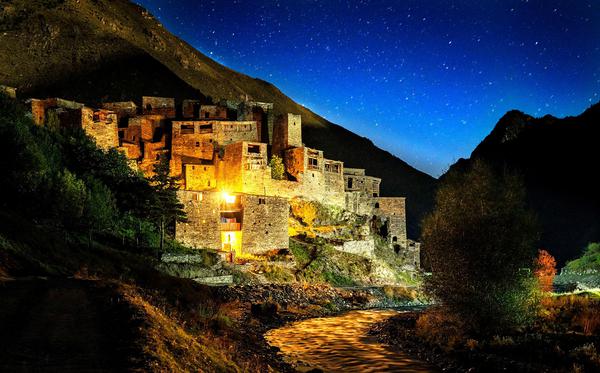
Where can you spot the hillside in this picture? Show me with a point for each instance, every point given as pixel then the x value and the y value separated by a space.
pixel 102 50
pixel 558 159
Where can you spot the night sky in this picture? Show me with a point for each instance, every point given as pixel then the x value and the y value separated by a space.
pixel 426 80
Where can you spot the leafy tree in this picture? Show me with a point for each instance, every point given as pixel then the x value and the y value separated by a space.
pixel 69 198
pixel 480 243
pixel 277 168
pixel 545 270
pixel 100 213
pixel 165 208
pixel 589 261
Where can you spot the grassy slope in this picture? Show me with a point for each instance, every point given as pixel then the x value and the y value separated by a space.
pixel 144 313
pixel 114 50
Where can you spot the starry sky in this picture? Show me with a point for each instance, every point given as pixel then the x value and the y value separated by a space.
pixel 426 80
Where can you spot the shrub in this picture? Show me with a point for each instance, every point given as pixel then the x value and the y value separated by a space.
pixel 277 168
pixel 306 211
pixel 442 329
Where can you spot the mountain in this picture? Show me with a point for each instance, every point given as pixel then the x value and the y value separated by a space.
pixel 106 50
pixel 559 161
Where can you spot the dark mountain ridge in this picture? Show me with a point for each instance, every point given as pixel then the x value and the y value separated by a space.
pixel 559 161
pixel 106 50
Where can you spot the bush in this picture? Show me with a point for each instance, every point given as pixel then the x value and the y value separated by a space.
pixel 545 270
pixel 480 243
pixel 277 168
pixel 439 328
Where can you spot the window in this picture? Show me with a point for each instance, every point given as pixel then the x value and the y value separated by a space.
pixel 313 162
pixel 197 144
pixel 262 201
pixel 376 205
pixel 187 129
pixel 394 239
pixel 349 183
pixel 205 128
pixel 253 148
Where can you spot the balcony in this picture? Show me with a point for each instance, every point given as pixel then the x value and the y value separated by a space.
pixel 231 227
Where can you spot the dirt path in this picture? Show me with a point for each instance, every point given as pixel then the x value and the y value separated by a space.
pixel 340 344
pixel 62 325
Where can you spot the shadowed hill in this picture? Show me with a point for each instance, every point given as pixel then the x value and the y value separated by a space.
pixel 559 161
pixel 101 50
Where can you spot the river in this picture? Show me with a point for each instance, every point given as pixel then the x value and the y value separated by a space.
pixel 341 344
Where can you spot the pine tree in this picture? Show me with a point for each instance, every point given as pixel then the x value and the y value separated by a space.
pixel 165 208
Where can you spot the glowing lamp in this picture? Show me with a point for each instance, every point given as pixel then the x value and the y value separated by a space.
pixel 228 198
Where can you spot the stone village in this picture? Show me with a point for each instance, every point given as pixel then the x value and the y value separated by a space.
pixel 221 154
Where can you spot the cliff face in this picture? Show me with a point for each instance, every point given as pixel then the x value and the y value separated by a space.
pixel 104 50
pixel 559 161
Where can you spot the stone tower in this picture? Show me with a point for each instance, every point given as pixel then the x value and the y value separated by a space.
pixel 287 133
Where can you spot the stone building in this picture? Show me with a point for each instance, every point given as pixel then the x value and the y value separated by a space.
pixel 287 133
pixel 242 223
pixel 262 114
pixel 124 110
pixel 221 154
pixel 100 124
pixel 159 105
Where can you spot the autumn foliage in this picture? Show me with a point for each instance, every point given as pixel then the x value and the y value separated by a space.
pixel 545 270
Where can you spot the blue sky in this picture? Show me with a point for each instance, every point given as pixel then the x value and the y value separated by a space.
pixel 426 80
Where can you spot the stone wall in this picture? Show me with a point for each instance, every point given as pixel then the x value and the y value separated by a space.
pixel 213 112
pixel 262 114
pixel 202 229
pixel 101 125
pixel 359 203
pixel 365 248
pixel 191 142
pixel 361 183
pixel 307 166
pixel 190 109
pixel 265 223
pixel 159 105
pixel 394 210
pixel 124 109
pixel 287 133
pixel 40 107
pixel 200 177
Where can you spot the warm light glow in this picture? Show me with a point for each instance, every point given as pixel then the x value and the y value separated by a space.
pixel 231 241
pixel 228 198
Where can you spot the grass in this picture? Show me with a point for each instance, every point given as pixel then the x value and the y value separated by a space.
pixel 186 325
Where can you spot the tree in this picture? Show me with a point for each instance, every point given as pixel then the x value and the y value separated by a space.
pixel 100 211
pixel 165 208
pixel 277 168
pixel 545 270
pixel 69 197
pixel 480 242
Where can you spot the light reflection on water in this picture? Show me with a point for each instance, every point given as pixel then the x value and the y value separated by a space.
pixel 341 344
